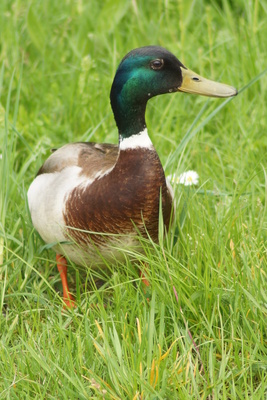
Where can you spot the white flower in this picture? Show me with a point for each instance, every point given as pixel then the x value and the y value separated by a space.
pixel 187 178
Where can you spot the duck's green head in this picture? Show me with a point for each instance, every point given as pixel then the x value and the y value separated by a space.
pixel 147 72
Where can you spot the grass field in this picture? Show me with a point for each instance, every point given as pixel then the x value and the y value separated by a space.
pixel 57 62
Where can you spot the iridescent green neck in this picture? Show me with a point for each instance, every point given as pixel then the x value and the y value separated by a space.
pixel 128 98
pixel 129 113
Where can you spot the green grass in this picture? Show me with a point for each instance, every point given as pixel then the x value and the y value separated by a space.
pixel 57 62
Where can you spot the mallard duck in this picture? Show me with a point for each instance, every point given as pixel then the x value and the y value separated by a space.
pixel 90 199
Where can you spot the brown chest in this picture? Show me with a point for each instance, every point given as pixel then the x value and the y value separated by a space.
pixel 124 200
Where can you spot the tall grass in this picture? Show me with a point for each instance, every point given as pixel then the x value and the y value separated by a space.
pixel 202 335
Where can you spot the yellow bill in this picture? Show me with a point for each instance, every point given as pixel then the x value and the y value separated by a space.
pixel 196 84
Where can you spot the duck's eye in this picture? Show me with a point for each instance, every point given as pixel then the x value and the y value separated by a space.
pixel 157 64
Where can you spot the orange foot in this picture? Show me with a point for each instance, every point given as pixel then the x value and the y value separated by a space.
pixel 62 269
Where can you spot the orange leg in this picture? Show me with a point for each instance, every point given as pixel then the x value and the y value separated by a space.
pixel 143 279
pixel 62 269
pixel 143 275
pixel 145 282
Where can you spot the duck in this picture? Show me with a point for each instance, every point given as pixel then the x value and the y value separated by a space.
pixel 91 201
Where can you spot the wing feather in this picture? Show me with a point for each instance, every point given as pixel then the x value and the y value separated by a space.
pixel 92 158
